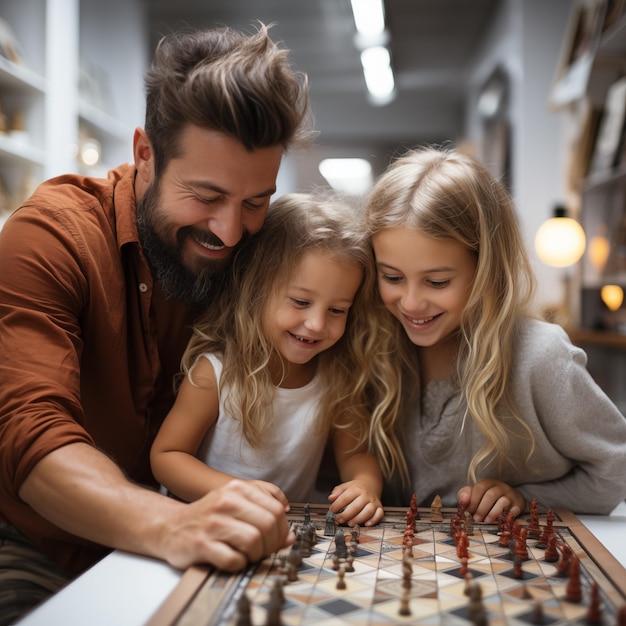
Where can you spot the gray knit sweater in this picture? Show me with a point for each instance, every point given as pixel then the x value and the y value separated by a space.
pixel 580 457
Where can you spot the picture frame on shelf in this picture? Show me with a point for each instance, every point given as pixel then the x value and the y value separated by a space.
pixel 578 51
pixel 581 150
pixel 9 45
pixel 606 154
pixel 614 11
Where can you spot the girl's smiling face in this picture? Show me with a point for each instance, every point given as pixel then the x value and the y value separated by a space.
pixel 309 314
pixel 425 282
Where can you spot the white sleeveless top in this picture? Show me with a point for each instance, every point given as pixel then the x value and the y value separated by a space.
pixel 292 448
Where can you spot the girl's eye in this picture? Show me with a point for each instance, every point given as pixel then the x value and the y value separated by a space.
pixel 388 278
pixel 438 284
pixel 335 311
pixel 299 303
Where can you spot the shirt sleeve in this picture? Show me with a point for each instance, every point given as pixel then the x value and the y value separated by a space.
pixel 42 290
pixel 585 430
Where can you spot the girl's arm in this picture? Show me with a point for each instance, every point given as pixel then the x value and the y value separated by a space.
pixel 357 499
pixel 172 456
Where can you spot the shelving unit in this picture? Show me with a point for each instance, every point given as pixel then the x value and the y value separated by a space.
pixel 41 86
pixel 601 202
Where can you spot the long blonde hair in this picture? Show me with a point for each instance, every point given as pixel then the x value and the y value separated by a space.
pixel 447 194
pixel 359 380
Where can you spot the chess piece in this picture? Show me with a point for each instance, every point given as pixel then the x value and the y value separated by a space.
pixel 341 583
pixel 307 514
pixel 413 506
pixel 521 547
pixel 594 613
pixel 562 566
pixel 538 617
pixel 573 591
pixel 476 608
pixel 355 533
pixel 551 554
pixel 243 611
pixel 331 525
pixel 405 608
pixel 435 510
pixel 463 570
pixel 341 550
pixel 533 524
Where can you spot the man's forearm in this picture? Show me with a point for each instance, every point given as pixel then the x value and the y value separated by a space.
pixel 82 491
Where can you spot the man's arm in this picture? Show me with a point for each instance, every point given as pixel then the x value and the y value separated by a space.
pixel 82 491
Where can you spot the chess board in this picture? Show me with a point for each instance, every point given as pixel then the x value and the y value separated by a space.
pixel 376 591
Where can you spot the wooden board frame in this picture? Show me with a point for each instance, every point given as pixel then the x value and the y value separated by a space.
pixel 226 588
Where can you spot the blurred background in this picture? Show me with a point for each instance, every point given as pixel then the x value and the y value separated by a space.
pixel 476 72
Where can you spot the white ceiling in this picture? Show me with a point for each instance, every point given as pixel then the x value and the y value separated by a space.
pixel 432 45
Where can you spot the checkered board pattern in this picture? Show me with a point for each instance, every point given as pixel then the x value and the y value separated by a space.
pixel 438 588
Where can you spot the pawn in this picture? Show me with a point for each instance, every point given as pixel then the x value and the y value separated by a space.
pixel 243 611
pixel 573 591
pixel 463 570
pixel 562 566
pixel 405 608
pixel 551 554
pixel 341 583
pixel 435 510
pixel 468 583
pixel 538 617
pixel 594 614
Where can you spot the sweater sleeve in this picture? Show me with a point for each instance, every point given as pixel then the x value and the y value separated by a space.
pixel 578 429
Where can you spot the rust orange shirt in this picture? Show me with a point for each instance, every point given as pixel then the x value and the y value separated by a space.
pixel 88 344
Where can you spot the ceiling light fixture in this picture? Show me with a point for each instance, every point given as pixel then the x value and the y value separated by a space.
pixel 378 74
pixel 351 176
pixel 369 19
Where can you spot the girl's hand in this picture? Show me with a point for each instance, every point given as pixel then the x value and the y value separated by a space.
pixel 487 499
pixel 273 490
pixel 353 503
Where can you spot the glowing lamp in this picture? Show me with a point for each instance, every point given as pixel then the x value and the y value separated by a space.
pixel 612 296
pixel 560 241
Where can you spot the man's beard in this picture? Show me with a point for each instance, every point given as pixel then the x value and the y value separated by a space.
pixel 196 288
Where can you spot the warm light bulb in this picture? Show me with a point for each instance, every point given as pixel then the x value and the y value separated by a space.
pixel 612 296
pixel 599 251
pixel 560 241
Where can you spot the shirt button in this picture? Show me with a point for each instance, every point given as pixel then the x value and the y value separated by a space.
pixel 143 287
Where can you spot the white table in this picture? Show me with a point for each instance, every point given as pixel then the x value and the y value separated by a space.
pixel 125 590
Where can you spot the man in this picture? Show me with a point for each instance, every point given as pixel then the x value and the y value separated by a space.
pixel 99 282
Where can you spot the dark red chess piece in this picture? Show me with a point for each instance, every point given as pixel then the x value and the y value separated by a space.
pixel 551 554
pixel 533 524
pixel 573 591
pixel 562 566
pixel 521 547
pixel 594 614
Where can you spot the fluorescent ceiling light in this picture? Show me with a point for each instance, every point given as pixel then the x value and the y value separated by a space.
pixel 378 75
pixel 369 16
pixel 347 175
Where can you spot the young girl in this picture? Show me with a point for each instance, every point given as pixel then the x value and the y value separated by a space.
pixel 501 401
pixel 290 356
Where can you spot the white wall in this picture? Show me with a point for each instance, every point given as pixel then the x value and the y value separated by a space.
pixel 525 39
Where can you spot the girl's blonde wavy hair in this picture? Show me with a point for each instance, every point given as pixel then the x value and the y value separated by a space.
pixel 447 194
pixel 361 386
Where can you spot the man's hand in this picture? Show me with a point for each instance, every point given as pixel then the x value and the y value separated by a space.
pixel 239 523
pixel 82 491
pixel 487 499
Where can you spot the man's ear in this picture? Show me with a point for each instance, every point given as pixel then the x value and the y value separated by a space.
pixel 144 157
